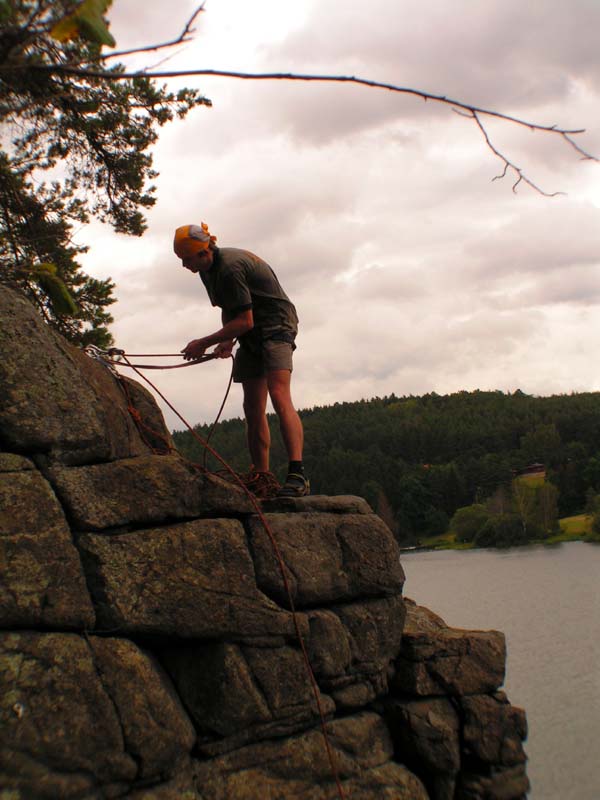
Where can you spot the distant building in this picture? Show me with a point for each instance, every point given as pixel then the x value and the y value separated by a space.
pixel 537 469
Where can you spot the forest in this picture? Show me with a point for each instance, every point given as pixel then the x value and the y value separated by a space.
pixel 434 462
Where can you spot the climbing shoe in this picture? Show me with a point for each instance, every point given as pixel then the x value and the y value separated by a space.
pixel 296 485
pixel 263 485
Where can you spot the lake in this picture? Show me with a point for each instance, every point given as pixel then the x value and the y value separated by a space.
pixel 547 602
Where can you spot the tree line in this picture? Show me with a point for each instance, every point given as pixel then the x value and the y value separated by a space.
pixel 418 460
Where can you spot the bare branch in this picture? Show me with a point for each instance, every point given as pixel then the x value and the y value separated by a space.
pixel 464 109
pixel 163 60
pixel 184 36
pixel 290 76
pixel 575 146
pixel 509 164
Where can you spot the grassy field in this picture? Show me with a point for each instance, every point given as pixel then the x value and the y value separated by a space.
pixel 445 541
pixel 572 529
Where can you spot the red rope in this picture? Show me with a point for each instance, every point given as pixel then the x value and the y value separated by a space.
pixel 282 569
pixel 115 356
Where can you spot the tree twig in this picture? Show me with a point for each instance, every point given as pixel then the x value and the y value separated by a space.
pixel 509 164
pixel 184 36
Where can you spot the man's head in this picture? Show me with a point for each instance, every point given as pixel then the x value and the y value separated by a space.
pixel 195 247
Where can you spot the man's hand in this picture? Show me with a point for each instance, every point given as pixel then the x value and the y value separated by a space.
pixel 223 349
pixel 194 349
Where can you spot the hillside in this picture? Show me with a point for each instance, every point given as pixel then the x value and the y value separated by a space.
pixel 418 459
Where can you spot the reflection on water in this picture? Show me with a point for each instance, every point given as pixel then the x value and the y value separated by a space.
pixel 547 602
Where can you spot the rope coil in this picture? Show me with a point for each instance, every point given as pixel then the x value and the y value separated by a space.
pixel 116 357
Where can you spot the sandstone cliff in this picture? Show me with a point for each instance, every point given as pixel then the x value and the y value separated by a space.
pixel 147 648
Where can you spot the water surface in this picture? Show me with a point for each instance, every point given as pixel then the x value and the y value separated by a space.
pixel 547 602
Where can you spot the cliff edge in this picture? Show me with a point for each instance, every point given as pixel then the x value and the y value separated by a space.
pixel 147 646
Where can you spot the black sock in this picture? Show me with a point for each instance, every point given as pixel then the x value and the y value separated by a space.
pixel 297 467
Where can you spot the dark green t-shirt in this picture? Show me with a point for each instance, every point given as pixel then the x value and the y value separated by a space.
pixel 237 281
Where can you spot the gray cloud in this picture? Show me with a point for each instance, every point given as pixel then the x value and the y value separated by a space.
pixel 412 271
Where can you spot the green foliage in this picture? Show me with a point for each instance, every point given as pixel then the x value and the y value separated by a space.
pixel 542 444
pixel 503 530
pixel 468 521
pixel 513 515
pixel 95 133
pixel 87 22
pixel 593 508
pixel 55 290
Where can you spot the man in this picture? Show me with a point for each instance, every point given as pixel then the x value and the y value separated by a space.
pixel 257 312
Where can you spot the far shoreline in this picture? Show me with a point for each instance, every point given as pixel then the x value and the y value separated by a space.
pixel 572 529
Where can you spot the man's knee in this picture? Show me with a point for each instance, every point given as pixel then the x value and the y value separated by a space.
pixel 255 398
pixel 281 397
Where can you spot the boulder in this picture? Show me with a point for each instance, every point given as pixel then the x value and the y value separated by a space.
pixel 190 580
pixel 498 783
pixel 298 767
pixel 426 736
pixel 41 580
pixel 141 491
pixel 157 732
pixel 352 646
pixel 436 659
pixel 329 558
pixel 55 400
pixel 106 532
pixel 11 462
pixel 147 416
pixel 84 719
pixel 237 694
pixel 493 730
pixel 319 504
pixel 181 787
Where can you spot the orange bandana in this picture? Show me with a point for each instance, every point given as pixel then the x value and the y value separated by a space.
pixel 191 239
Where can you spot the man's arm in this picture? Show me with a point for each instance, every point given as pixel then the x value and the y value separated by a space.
pixel 234 328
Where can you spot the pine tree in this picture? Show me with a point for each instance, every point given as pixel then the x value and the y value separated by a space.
pixel 95 134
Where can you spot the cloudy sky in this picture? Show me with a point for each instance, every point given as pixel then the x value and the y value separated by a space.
pixel 411 269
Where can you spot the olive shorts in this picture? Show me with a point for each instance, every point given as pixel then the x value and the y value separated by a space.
pixel 272 355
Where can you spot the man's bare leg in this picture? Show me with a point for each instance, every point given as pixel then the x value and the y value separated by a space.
pixel 257 429
pixel 279 386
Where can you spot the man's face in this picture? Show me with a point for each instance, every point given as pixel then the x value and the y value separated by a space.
pixel 200 262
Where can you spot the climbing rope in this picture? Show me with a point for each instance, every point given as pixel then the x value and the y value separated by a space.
pixel 115 357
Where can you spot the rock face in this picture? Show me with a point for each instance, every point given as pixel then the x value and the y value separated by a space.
pixel 149 646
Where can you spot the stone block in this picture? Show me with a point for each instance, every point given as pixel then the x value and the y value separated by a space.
pixel 190 580
pixel 141 491
pixel 352 646
pixel 426 736
pixel 11 462
pixel 237 694
pixel 319 504
pixel 329 558
pixel 41 579
pixel 55 400
pixel 493 730
pixel 298 767
pixel 156 730
pixel 498 783
pixel 147 416
pixel 181 787
pixel 436 659
pixel 84 719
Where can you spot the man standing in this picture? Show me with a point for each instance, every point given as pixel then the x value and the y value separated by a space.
pixel 257 312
